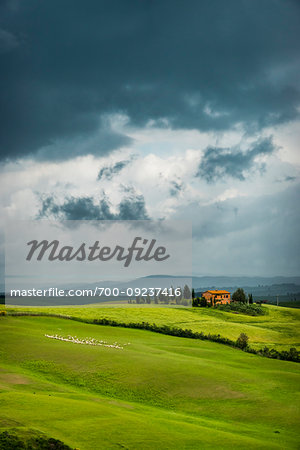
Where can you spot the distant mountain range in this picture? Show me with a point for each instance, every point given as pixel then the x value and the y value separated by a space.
pixel 223 281
pixel 260 287
pixel 198 283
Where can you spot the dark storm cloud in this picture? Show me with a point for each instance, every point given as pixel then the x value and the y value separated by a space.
pixel 100 143
pixel 256 236
pixel 7 41
pixel 109 171
pixel 206 65
pixel 286 179
pixel 290 178
pixel 271 212
pixel 176 188
pixel 84 208
pixel 218 163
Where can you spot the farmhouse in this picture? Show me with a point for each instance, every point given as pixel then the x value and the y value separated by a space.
pixel 217 296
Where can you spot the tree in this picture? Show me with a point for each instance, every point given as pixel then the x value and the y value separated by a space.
pixel 161 297
pixel 178 298
pixel 186 292
pixel 242 341
pixel 166 299
pixel 196 302
pixel 239 296
pixel 193 293
pixel 171 296
pixel 250 299
pixel 203 302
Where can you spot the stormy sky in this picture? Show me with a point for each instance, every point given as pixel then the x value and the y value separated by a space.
pixel 158 109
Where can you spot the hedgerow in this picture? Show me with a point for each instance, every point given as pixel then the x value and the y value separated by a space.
pixel 244 308
pixel 11 441
pixel 286 355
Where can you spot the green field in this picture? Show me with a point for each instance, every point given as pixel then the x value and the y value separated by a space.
pixel 279 329
pixel 159 392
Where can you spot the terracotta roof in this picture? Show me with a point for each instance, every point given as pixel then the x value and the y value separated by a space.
pixel 218 292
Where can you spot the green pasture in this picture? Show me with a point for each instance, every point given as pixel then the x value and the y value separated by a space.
pixel 158 392
pixel 279 329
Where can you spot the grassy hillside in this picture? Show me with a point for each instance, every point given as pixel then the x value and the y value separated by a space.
pixel 279 329
pixel 158 392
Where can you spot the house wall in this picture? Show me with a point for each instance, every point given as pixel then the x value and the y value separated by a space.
pixel 207 295
pixel 223 301
pixel 218 298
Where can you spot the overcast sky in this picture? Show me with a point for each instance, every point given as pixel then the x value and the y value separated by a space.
pixel 163 109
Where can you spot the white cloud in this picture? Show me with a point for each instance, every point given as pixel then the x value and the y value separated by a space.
pixel 229 213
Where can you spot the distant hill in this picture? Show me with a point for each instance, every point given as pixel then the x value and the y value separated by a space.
pixel 223 281
pixel 262 288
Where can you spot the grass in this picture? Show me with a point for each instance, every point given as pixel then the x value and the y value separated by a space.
pixel 159 392
pixel 279 329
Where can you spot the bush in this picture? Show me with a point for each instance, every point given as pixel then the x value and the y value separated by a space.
pixel 196 302
pixel 10 441
pixel 203 302
pixel 242 341
pixel 286 355
pixel 249 310
pixel 48 444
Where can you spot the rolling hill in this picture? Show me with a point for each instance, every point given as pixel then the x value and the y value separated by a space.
pixel 279 329
pixel 157 392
